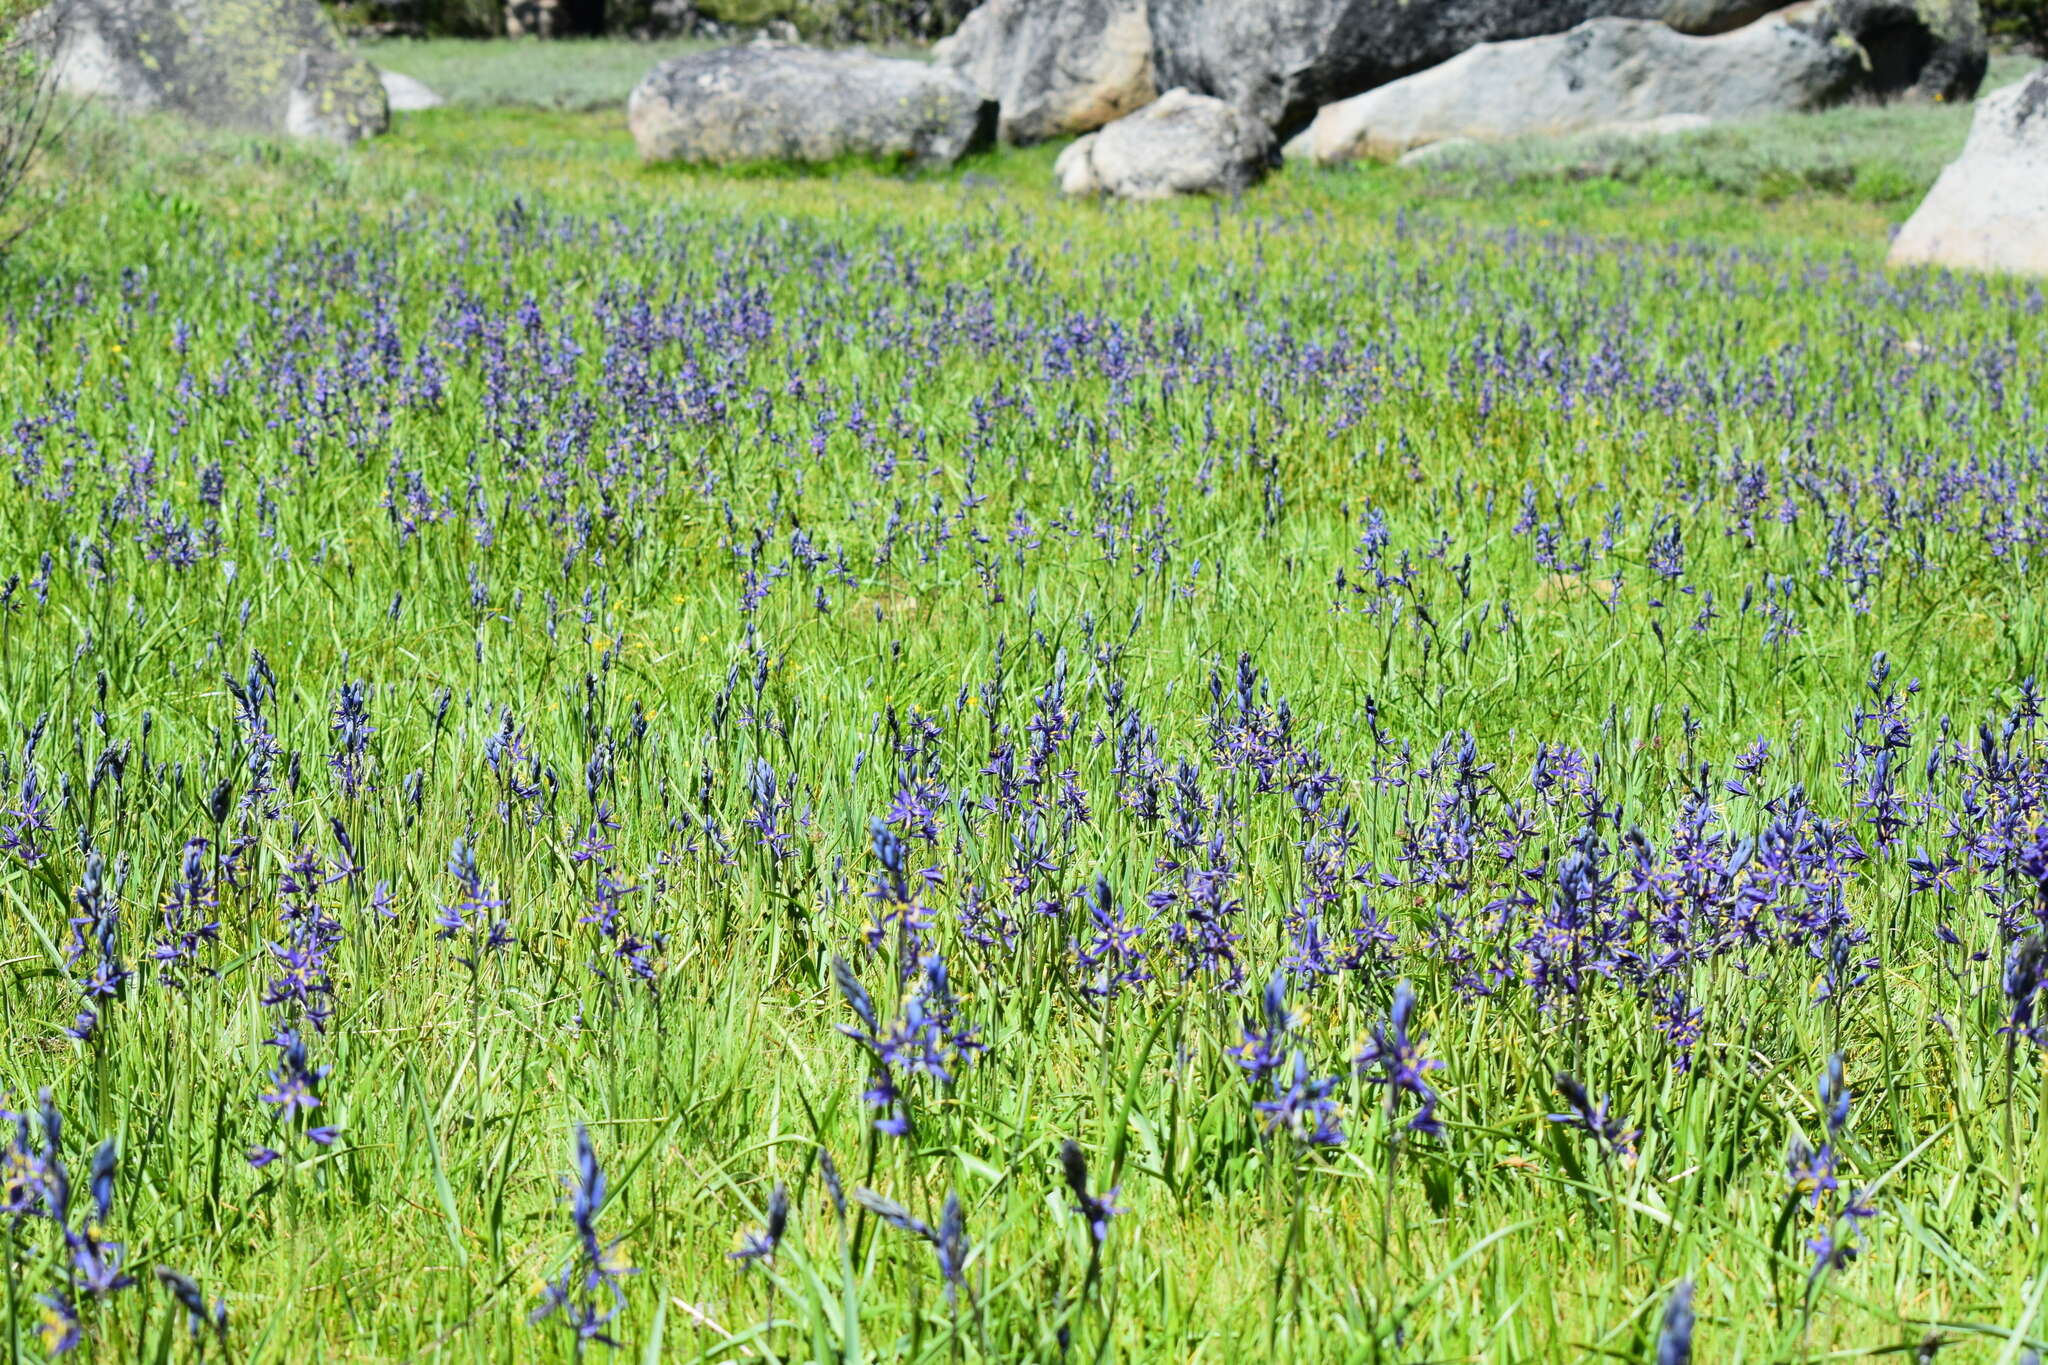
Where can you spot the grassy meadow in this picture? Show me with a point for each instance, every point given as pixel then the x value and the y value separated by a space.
pixel 610 763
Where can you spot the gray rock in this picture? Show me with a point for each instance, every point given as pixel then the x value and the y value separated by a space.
pixel 1181 143
pixel 273 66
pixel 782 102
pixel 1059 65
pixel 1989 209
pixel 1074 171
pixel 407 95
pixel 1603 73
pixel 1280 60
pixel 1055 68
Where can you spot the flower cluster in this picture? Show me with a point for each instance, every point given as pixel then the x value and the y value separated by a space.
pixel 926 1039
pixel 1837 1215
pixel 36 1187
pixel 1393 1059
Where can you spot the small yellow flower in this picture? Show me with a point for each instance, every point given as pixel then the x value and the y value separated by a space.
pixel 55 1329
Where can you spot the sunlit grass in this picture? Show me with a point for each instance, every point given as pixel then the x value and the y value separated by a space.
pixel 1033 441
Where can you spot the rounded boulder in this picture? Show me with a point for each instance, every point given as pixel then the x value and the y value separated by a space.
pixel 783 102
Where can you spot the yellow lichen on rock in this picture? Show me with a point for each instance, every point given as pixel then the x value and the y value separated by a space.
pixel 261 65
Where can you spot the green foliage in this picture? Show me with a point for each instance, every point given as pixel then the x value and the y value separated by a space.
pixel 441 18
pixel 28 122
pixel 845 20
pixel 2023 23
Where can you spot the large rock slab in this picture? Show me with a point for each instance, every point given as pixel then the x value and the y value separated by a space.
pixel 1604 72
pixel 1055 69
pixel 1989 209
pixel 1059 66
pixel 272 66
pixel 1281 60
pixel 1181 143
pixel 784 102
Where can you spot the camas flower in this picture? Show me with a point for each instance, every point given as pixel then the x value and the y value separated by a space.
pixel 1303 1107
pixel 1393 1058
pixel 1262 1051
pixel 761 1246
pixel 1674 1335
pixel 198 1316
pixel 948 1240
pixel 2026 971
pixel 1814 1175
pixel 57 1325
pixel 296 1083
pixel 927 1039
pixel 1616 1139
pixel 588 1292
pixel 1097 1209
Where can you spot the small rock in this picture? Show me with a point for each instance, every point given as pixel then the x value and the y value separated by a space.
pixel 1182 143
pixel 1074 172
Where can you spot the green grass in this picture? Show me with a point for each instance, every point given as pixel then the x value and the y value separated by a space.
pixel 1841 180
pixel 582 73
pixel 576 74
pixel 918 372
